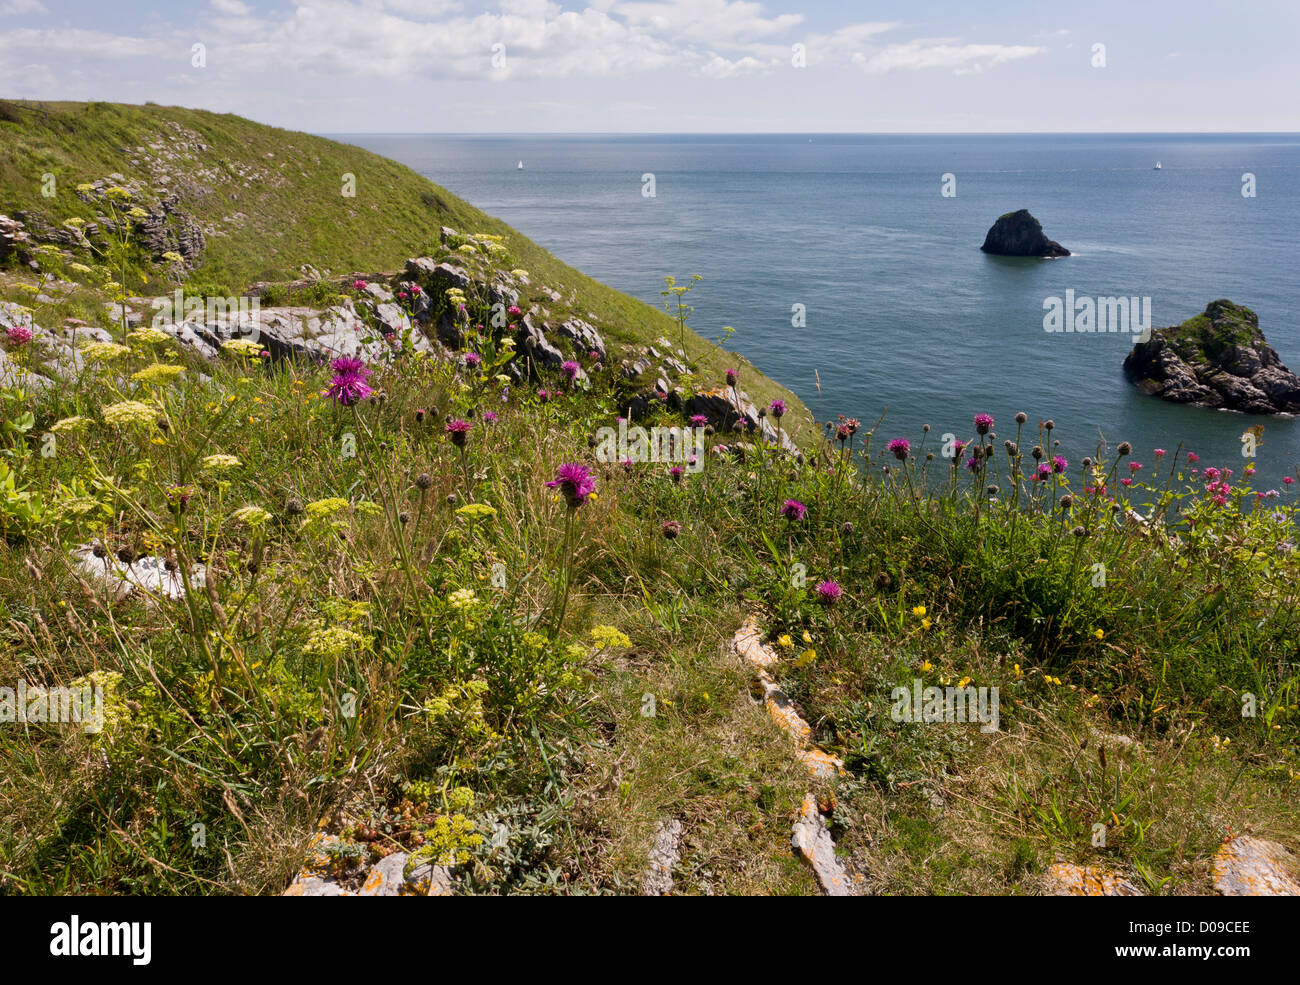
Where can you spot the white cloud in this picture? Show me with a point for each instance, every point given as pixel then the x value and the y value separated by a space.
pixel 11 8
pixel 942 53
pixel 232 7
pixel 706 21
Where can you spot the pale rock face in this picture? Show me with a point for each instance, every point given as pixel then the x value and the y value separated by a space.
pixel 145 574
pixel 1247 866
pixel 1067 879
pixel 387 877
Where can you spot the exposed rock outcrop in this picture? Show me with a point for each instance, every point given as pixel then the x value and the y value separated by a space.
pixel 13 237
pixel 1019 234
pixel 1217 359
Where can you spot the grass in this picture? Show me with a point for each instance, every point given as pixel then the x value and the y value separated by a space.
pixel 380 643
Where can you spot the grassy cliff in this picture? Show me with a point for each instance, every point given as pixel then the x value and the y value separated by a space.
pixel 269 201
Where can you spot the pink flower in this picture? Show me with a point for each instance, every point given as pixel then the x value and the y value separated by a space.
pixel 18 335
pixel 359 285
pixel 900 448
pixel 829 592
pixel 733 377
pixel 698 420
pixel 1160 453
pixel 983 423
pixel 777 409
pixel 1193 457
pixel 489 417
pixel 458 431
pixel 1135 466
pixel 792 510
pixel 575 482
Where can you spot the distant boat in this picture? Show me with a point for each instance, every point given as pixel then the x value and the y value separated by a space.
pixel 520 166
pixel 1156 168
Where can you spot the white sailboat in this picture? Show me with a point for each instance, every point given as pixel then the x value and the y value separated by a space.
pixel 1157 167
pixel 519 166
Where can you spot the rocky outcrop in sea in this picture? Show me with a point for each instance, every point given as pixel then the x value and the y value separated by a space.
pixel 1019 234
pixel 1217 359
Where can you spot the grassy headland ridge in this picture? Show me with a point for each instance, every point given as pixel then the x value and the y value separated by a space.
pixel 407 600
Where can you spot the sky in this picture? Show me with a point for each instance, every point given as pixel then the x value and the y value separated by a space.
pixel 673 66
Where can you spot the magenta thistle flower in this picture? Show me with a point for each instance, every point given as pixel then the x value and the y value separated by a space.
pixel 458 431
pixel 1043 472
pixel 777 409
pixel 793 510
pixel 983 423
pixel 699 420
pixel 1059 464
pixel 472 359
pixel 733 377
pixel 575 482
pixel 349 385
pixel 829 592
pixel 676 472
pixel 973 464
pixel 544 395
pixel 900 448
pixel 570 369
pixel 490 417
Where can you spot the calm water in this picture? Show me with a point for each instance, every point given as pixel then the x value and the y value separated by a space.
pixel 903 310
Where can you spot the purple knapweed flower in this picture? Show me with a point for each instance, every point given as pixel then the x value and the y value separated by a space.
pixel 458 431
pixel 829 592
pixel 777 409
pixel 983 423
pixel 792 510
pixel 349 385
pixel 570 369
pixel 575 482
pixel 900 448
pixel 472 360
pixel 698 420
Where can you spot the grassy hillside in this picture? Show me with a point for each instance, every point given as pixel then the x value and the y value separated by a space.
pixel 411 603
pixel 271 200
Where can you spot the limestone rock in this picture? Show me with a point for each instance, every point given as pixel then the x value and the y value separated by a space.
pixel 811 840
pixel 147 574
pixel 1068 879
pixel 1247 866
pixel 658 879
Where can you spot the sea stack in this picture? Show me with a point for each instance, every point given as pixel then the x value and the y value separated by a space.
pixel 1217 359
pixel 1019 234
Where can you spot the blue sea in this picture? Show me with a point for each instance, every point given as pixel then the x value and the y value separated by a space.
pixel 904 315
